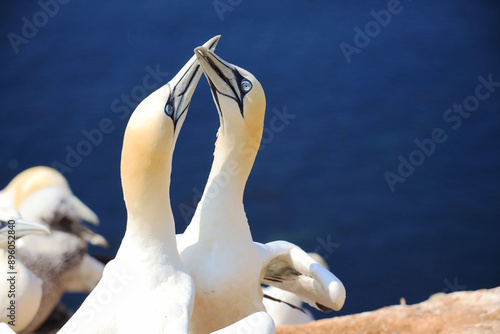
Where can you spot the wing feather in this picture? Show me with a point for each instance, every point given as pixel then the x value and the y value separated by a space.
pixel 288 267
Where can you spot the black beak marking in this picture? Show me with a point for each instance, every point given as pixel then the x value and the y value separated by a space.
pixel 238 94
pixel 173 97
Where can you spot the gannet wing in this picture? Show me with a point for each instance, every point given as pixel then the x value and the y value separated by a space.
pixel 285 307
pixel 258 322
pixel 89 274
pixel 288 267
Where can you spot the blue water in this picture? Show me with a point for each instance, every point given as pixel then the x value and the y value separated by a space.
pixel 319 179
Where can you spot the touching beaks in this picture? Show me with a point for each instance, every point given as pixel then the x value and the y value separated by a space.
pixel 183 85
pixel 223 77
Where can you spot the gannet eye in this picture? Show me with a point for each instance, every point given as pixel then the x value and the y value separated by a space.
pixel 246 85
pixel 169 110
pixel 3 224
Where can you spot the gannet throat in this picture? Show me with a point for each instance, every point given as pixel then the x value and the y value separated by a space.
pixel 226 265
pixel 147 258
pixel 217 246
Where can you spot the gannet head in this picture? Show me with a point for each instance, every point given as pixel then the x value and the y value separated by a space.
pixel 33 179
pixel 151 134
pixel 239 98
pixel 11 224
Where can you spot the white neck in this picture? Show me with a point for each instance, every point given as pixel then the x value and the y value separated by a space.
pixel 145 170
pixel 233 160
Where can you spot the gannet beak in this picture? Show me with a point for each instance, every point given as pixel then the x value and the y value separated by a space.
pixel 184 83
pixel 88 235
pixel 23 227
pixel 83 212
pixel 222 76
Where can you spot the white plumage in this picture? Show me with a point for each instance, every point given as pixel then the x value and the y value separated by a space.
pixel 27 292
pixel 146 288
pixel 42 195
pixel 226 265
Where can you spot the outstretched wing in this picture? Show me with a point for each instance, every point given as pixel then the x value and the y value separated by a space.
pixel 288 267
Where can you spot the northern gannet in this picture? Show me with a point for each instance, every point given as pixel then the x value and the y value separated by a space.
pixel 286 307
pixel 59 260
pixel 23 288
pixel 146 288
pixel 42 194
pixel 29 181
pixel 226 265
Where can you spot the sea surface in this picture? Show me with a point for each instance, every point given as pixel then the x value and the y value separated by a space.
pixel 381 150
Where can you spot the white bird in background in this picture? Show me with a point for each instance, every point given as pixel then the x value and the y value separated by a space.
pixel 146 288
pixel 27 291
pixel 42 194
pixel 28 182
pixel 286 307
pixel 217 246
pixel 59 260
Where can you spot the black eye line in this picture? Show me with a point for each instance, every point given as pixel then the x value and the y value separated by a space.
pixel 170 102
pixel 237 97
pixel 216 97
pixel 172 96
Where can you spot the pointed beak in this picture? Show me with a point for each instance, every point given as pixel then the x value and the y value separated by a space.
pixel 222 76
pixel 90 236
pixel 183 85
pixel 83 212
pixel 23 227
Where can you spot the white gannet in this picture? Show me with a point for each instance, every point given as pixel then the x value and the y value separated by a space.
pixel 286 307
pixel 23 288
pixel 146 288
pixel 43 194
pixel 226 265
pixel 29 181
pixel 60 260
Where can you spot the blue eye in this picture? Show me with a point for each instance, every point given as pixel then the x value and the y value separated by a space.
pixel 2 224
pixel 246 86
pixel 169 110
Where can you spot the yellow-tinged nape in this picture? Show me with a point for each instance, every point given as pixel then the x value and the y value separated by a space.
pixel 149 143
pixel 35 179
pixel 147 156
pixel 31 180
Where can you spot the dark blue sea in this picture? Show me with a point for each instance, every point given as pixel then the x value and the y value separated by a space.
pixel 382 143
